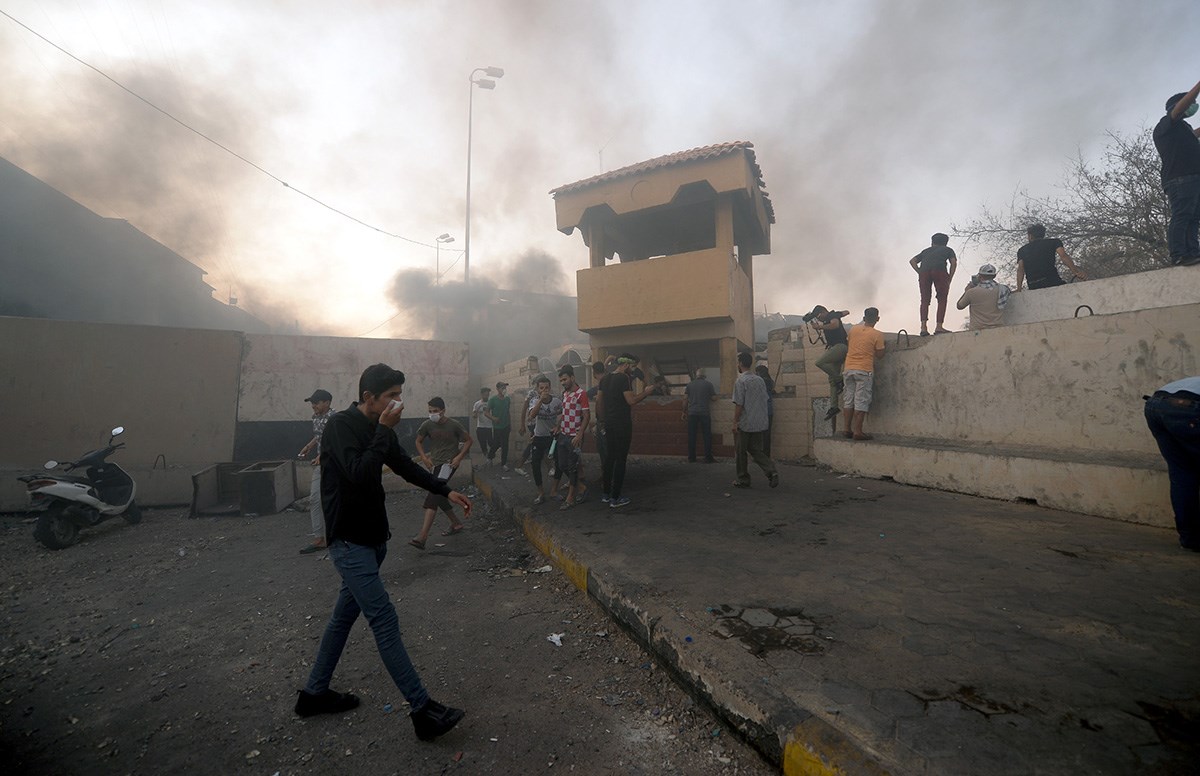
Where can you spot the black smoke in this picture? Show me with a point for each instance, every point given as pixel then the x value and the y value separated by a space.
pixel 517 310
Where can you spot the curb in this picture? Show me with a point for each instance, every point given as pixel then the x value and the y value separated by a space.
pixel 789 737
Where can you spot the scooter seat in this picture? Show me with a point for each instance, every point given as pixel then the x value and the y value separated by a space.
pixel 72 478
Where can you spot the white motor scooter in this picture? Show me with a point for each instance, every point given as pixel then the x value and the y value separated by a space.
pixel 70 502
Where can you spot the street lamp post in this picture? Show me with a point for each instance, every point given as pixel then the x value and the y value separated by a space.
pixel 444 237
pixel 482 83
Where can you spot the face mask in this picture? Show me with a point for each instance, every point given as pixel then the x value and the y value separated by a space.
pixel 435 416
pixel 1191 110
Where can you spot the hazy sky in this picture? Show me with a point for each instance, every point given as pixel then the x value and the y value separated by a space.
pixel 876 123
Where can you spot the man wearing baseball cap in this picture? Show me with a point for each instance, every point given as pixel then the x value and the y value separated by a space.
pixel 321 401
pixel 986 298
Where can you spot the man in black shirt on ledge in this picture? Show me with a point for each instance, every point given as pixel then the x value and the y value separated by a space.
pixel 357 443
pixel 1179 149
pixel 1036 260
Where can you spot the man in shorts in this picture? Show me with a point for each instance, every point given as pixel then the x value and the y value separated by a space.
pixel 864 348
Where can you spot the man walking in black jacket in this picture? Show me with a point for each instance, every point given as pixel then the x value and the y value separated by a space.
pixel 357 443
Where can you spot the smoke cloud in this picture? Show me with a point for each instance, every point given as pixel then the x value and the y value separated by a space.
pixel 525 313
pixel 876 124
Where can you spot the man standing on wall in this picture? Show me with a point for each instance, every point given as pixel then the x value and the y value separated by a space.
pixel 865 346
pixel 500 408
pixel 448 444
pixel 1173 415
pixel 700 394
pixel 1179 148
pixel 321 401
pixel 568 441
pixel 932 273
pixel 750 423
pixel 483 421
pixel 614 415
pixel 986 298
pixel 358 442
pixel 1035 260
pixel 829 323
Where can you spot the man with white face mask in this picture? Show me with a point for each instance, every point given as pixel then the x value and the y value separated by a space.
pixel 1179 147
pixel 448 443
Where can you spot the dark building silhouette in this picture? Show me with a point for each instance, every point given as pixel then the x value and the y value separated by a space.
pixel 60 260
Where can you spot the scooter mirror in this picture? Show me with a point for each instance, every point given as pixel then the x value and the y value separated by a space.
pixel 118 431
pixel 51 464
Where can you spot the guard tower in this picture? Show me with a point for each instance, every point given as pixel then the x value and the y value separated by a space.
pixel 684 229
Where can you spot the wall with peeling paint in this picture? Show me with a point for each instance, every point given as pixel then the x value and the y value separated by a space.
pixel 1167 287
pixel 1071 384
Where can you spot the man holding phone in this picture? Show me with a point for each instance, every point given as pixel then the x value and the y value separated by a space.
pixel 358 442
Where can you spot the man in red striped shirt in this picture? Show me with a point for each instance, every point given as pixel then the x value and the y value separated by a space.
pixel 568 446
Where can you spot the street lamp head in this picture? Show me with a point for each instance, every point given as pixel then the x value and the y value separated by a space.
pixel 494 72
pixel 445 238
pixel 484 83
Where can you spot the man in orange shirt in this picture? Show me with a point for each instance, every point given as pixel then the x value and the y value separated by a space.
pixel 864 347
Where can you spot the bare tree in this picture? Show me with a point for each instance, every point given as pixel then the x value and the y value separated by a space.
pixel 1111 216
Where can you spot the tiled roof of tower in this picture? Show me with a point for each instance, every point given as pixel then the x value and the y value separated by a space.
pixel 695 154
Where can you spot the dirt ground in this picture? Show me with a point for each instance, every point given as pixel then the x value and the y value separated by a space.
pixel 178 645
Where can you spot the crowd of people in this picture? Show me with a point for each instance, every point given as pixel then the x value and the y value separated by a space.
pixel 351 447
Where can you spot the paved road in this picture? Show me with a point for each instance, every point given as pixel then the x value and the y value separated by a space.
pixel 864 625
pixel 177 646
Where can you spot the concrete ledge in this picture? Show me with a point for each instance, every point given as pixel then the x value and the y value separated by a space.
pixel 1132 488
pixel 795 740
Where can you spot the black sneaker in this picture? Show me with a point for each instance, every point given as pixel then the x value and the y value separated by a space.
pixel 328 702
pixel 434 720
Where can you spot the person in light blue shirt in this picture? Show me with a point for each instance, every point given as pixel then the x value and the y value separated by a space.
pixel 1173 415
pixel 750 423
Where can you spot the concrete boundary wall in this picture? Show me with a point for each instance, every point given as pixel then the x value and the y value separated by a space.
pixel 188 397
pixel 1071 385
pixel 1167 287
pixel 1048 411
pixel 1103 487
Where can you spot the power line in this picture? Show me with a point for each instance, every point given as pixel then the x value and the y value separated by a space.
pixel 216 143
pixel 373 328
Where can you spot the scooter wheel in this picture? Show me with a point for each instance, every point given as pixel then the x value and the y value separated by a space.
pixel 55 530
pixel 132 514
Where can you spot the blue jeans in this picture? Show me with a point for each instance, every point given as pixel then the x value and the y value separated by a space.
pixel 362 591
pixel 1175 424
pixel 701 424
pixel 1183 232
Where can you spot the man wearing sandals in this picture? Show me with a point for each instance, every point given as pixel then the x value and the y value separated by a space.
pixel 358 442
pixel 568 444
pixel 448 444
pixel 750 423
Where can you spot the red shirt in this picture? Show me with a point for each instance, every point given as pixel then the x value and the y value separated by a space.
pixel 574 404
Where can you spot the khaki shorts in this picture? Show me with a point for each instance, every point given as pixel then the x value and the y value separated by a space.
pixel 860 388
